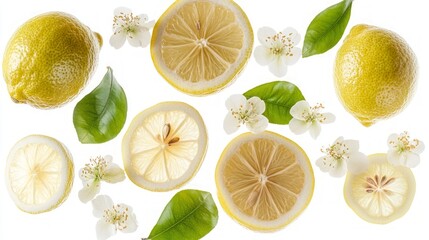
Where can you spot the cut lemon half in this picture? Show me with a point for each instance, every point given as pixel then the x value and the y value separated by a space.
pixel 39 173
pixel 264 181
pixel 383 193
pixel 164 146
pixel 199 47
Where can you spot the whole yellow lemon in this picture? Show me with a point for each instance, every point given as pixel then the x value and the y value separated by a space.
pixel 49 60
pixel 375 73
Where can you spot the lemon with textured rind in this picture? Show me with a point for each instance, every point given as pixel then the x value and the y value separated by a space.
pixel 164 146
pixel 49 59
pixel 200 47
pixel 383 193
pixel 375 73
pixel 264 181
pixel 39 173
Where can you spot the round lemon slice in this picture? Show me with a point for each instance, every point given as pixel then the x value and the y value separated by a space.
pixel 39 173
pixel 264 180
pixel 164 146
pixel 383 193
pixel 199 47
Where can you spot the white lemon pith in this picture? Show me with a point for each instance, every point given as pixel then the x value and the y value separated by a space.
pixel 264 180
pixel 383 193
pixel 164 146
pixel 39 173
pixel 199 47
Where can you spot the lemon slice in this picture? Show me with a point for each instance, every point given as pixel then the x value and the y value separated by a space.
pixel 383 193
pixel 164 146
pixel 264 180
pixel 39 173
pixel 199 47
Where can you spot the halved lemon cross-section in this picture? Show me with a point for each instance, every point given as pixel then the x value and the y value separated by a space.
pixel 264 180
pixel 164 146
pixel 200 46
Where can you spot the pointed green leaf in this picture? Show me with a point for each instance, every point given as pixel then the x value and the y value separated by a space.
pixel 100 115
pixel 279 97
pixel 327 28
pixel 190 214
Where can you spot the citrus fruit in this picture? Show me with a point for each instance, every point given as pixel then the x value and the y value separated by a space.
pixel 39 173
pixel 383 193
pixel 199 47
pixel 49 59
pixel 164 146
pixel 264 181
pixel 375 73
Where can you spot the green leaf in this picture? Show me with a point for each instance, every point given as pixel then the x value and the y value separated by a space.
pixel 279 97
pixel 327 28
pixel 100 115
pixel 190 214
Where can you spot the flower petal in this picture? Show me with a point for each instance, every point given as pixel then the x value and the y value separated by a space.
pixel 357 163
pixel 410 159
pixel 258 124
pixel 230 124
pixel 320 162
pixel 278 67
pixel 419 148
pixel 235 101
pixel 294 35
pixel 104 230
pixel 101 203
pixel 131 221
pixel 85 177
pixel 148 25
pixel 339 170
pixel 258 105
pixel 87 193
pixel 298 127
pixel 392 140
pixel 393 156
pixel 328 118
pixel 352 146
pixel 263 55
pixel 293 57
pixel 121 11
pixel 264 33
pixel 143 36
pixel 117 40
pixel 300 109
pixel 143 18
pixel 314 129
pixel 108 159
pixel 113 174
pixel 133 40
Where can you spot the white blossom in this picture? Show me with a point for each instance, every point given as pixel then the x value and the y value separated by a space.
pixel 277 49
pixel 134 28
pixel 404 151
pixel 242 111
pixel 97 170
pixel 308 118
pixel 113 217
pixel 342 156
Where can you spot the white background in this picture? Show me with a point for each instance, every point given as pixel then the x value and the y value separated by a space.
pixel 327 216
